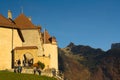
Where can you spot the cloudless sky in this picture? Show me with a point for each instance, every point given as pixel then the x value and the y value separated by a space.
pixel 86 22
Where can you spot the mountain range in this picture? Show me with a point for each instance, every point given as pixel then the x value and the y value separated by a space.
pixel 80 62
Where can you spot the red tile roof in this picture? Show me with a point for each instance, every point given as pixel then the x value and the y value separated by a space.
pixel 23 22
pixel 9 23
pixel 6 22
pixel 46 37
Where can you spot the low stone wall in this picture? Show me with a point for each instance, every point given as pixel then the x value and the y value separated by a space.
pixel 47 72
pixel 30 71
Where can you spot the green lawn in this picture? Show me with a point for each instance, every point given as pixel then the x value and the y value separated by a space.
pixel 5 75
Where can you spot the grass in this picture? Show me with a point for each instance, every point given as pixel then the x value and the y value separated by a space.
pixel 5 75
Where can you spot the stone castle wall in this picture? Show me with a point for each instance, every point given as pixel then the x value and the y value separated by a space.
pixel 51 51
pixel 19 54
pixel 33 38
pixel 9 39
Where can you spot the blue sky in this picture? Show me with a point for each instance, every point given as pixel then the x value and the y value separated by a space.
pixel 87 22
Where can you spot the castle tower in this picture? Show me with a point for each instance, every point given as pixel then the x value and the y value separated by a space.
pixel 51 50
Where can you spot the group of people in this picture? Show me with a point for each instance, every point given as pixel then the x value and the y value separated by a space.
pixel 18 69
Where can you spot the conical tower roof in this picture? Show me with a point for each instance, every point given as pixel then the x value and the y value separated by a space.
pixel 23 22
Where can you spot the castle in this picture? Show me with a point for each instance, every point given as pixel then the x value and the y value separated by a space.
pixel 21 40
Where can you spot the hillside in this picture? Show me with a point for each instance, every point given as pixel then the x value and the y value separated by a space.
pixel 79 62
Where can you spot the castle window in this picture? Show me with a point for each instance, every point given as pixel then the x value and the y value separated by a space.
pixel 43 55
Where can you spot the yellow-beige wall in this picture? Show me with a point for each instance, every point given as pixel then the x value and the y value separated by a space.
pixel 18 54
pixel 52 51
pixel 33 38
pixel 6 45
pixel 17 42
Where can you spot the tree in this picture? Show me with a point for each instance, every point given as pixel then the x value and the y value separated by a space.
pixel 41 65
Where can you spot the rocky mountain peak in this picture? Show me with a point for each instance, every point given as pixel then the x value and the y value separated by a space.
pixel 89 63
pixel 115 45
pixel 71 44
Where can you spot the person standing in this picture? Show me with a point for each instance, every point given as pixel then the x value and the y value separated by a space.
pixel 19 69
pixel 19 62
pixel 34 70
pixel 39 70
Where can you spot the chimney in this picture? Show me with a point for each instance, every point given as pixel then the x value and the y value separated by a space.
pixel 29 18
pixel 9 14
pixel 53 39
